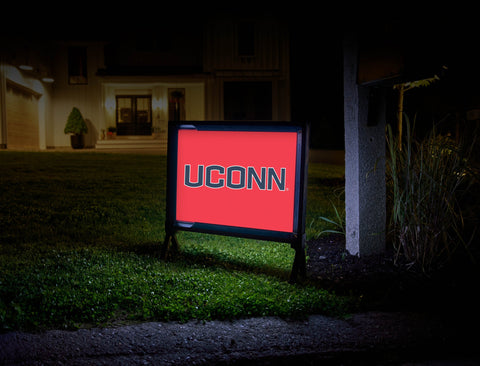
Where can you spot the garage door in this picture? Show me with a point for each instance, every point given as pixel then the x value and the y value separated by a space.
pixel 22 118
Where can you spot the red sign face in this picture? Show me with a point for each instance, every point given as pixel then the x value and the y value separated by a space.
pixel 237 178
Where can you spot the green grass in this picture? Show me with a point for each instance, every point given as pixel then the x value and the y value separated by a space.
pixel 80 236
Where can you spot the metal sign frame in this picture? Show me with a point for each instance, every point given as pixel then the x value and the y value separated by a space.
pixel 296 236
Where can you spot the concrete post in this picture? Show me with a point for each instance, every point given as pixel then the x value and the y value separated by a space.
pixel 365 194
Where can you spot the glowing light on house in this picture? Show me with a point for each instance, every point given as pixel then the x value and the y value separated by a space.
pixel 25 67
pixel 157 103
pixel 110 104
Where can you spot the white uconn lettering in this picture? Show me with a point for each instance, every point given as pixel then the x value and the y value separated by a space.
pixel 234 177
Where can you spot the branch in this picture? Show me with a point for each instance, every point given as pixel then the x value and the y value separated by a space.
pixel 416 84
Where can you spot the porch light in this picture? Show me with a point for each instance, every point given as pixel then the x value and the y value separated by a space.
pixel 110 103
pixel 48 79
pixel 26 67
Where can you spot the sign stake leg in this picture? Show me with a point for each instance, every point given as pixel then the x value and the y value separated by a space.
pixel 169 237
pixel 299 263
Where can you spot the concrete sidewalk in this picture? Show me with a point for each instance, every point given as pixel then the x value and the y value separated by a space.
pixel 373 338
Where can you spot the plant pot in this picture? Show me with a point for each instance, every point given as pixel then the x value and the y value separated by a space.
pixel 77 141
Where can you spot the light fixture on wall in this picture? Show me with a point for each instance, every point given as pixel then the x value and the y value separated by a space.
pixel 25 67
pixel 48 79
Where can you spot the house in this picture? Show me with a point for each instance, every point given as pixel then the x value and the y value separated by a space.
pixel 135 81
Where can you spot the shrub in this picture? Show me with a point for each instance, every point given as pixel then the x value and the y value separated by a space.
pixel 75 123
pixel 425 181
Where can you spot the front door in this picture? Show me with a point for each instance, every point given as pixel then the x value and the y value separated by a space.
pixel 134 115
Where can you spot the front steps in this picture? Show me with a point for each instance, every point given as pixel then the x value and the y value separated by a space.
pixel 133 143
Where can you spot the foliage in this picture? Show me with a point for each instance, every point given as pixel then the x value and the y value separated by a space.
pixel 325 194
pixel 425 182
pixel 338 221
pixel 416 84
pixel 80 244
pixel 402 88
pixel 71 288
pixel 75 123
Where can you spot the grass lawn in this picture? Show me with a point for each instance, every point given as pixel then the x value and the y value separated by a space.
pixel 81 233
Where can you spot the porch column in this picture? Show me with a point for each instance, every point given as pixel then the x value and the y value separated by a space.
pixel 365 194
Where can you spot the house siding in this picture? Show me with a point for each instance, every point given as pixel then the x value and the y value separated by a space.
pixel 202 76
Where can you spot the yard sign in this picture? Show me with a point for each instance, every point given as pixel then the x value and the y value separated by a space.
pixel 238 179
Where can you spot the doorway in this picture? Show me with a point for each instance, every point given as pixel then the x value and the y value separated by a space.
pixel 134 115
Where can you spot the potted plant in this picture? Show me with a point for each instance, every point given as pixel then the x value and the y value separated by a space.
pixel 112 132
pixel 77 127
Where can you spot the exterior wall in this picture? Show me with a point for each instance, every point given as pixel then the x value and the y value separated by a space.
pixel 158 89
pixel 87 98
pixel 221 43
pixel 270 62
pixel 96 99
pixel 195 101
pixel 203 84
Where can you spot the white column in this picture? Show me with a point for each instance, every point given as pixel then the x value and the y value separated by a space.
pixel 365 194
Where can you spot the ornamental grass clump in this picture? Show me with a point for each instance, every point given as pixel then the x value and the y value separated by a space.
pixel 426 181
